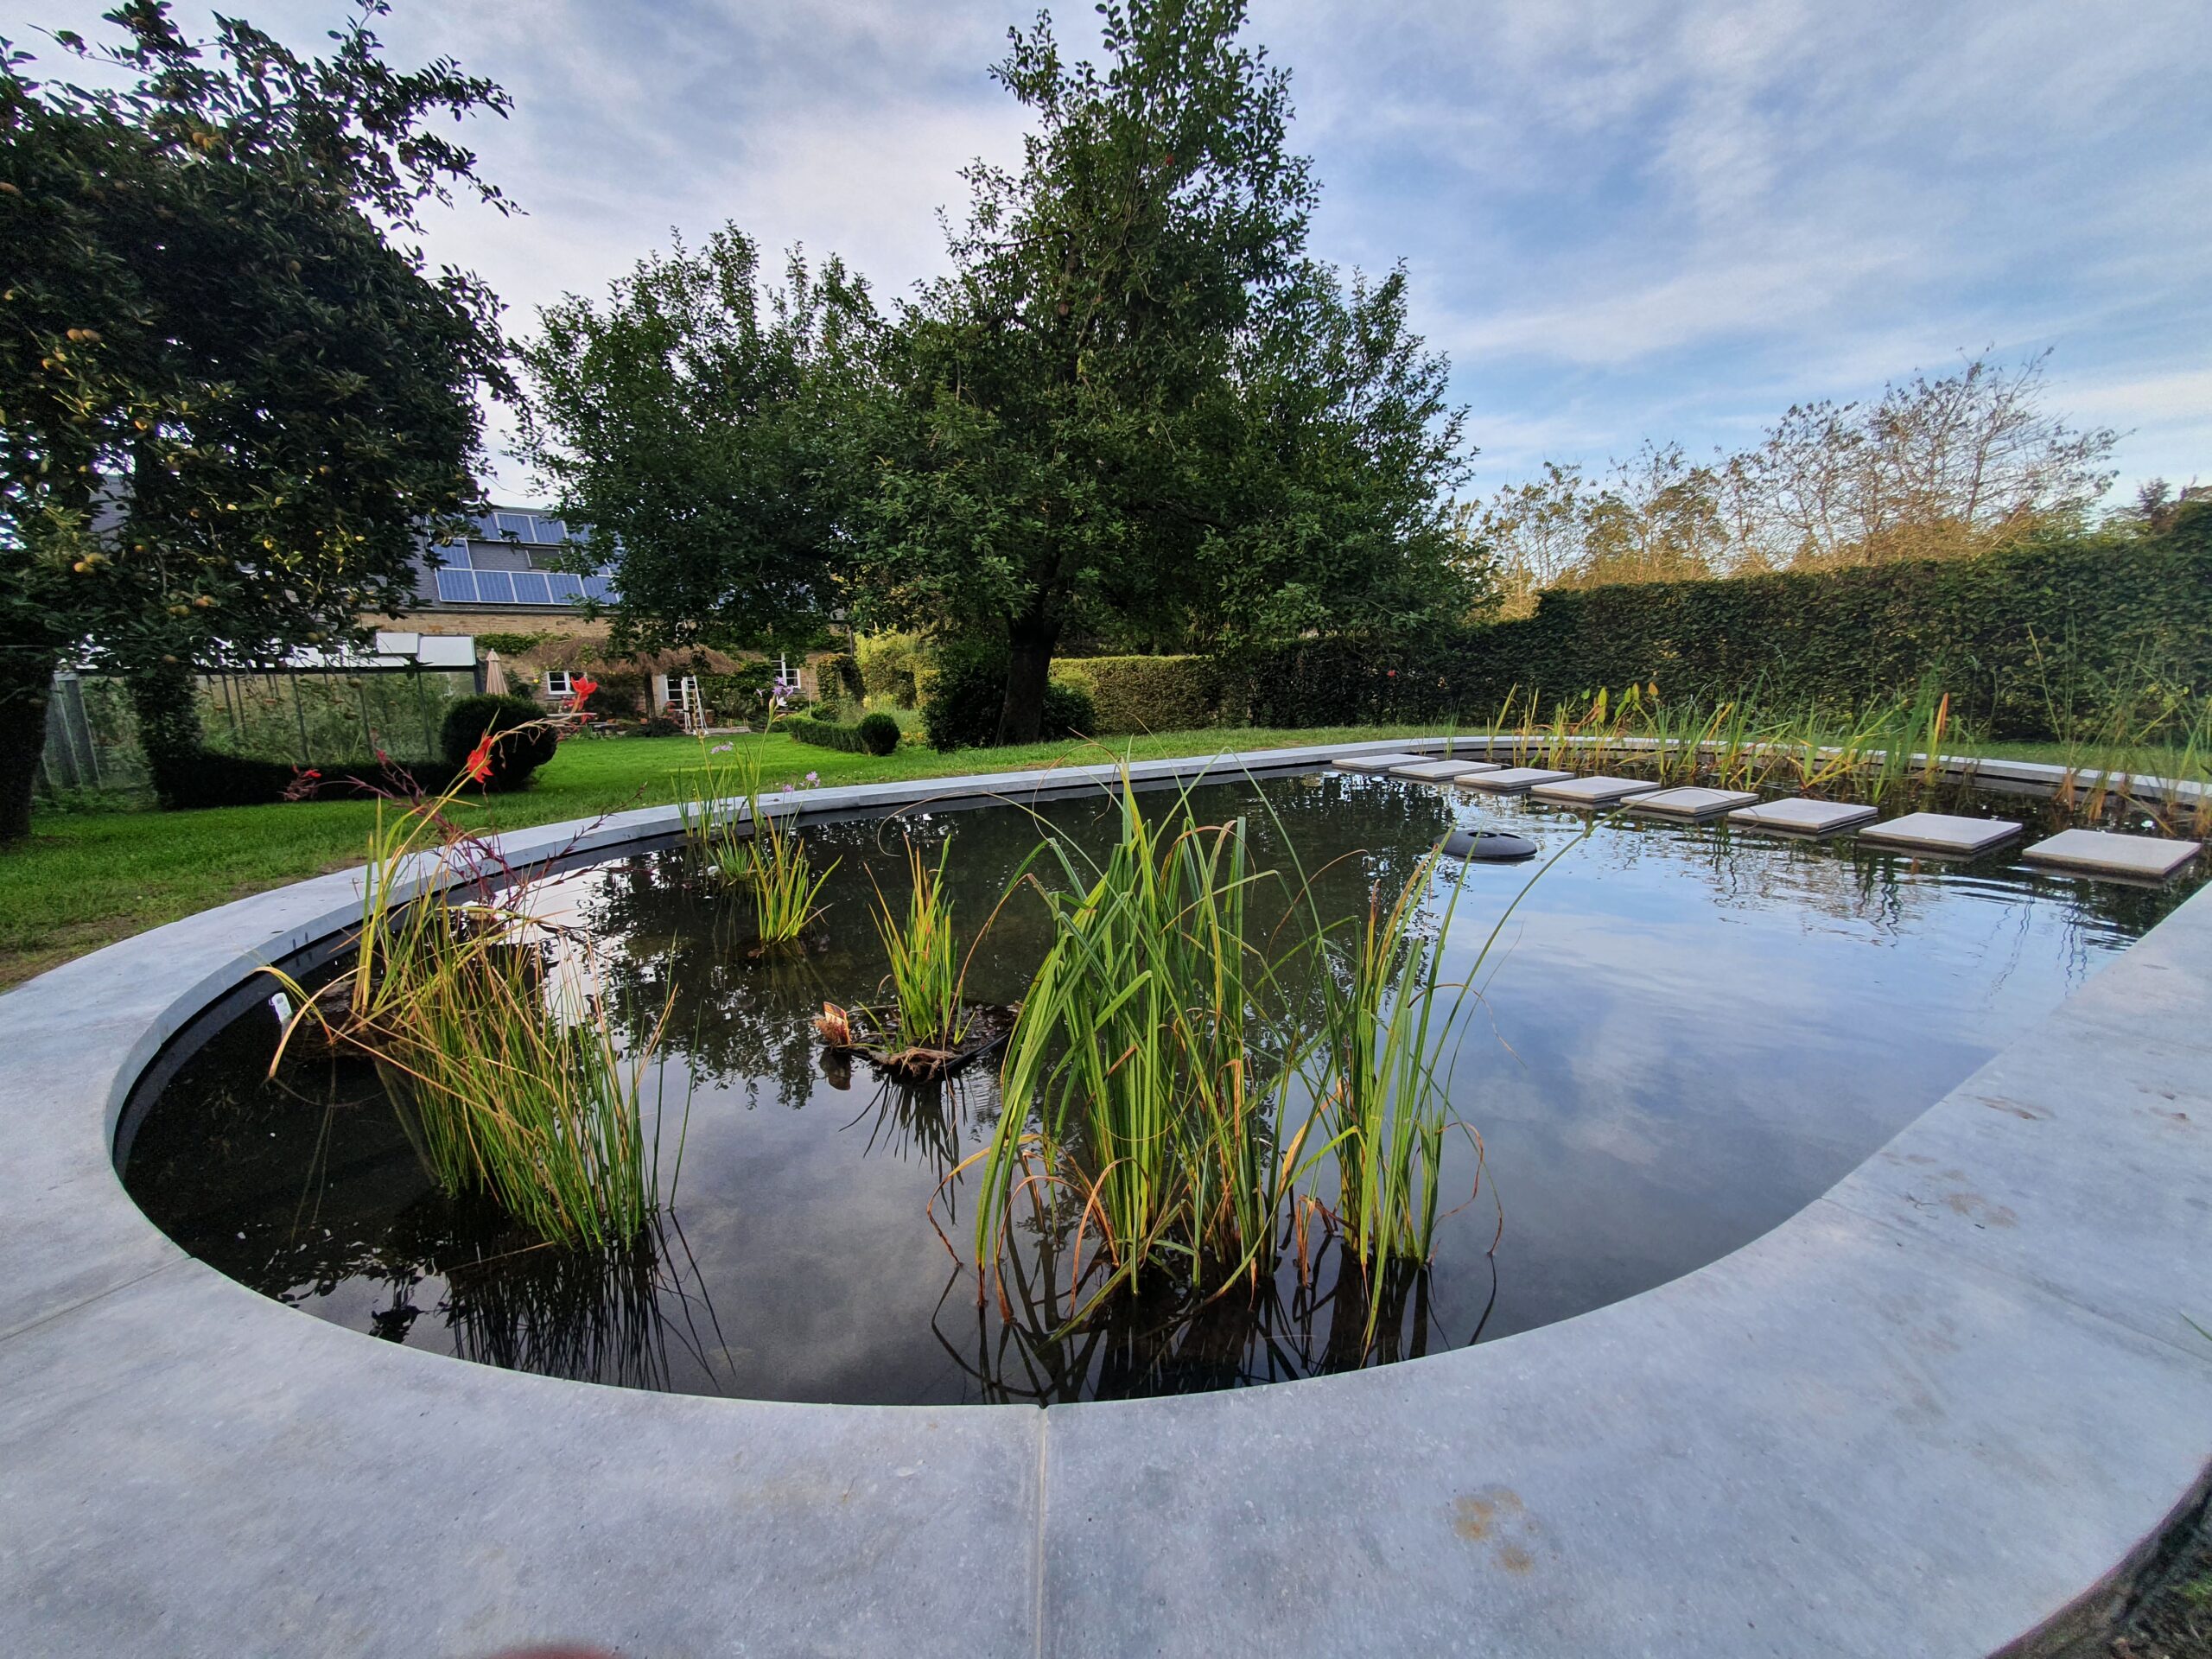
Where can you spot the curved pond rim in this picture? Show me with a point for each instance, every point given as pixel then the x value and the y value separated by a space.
pixel 1942 1409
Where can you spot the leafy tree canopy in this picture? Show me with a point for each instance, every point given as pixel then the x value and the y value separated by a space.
pixel 228 401
pixel 707 426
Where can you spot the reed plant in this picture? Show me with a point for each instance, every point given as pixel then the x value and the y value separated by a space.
pixel 926 975
pixel 490 1034
pixel 1157 1108
pixel 754 848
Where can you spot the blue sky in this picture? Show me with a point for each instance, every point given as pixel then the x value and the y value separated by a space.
pixel 1622 219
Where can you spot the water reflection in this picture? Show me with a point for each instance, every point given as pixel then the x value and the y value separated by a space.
pixel 1682 1037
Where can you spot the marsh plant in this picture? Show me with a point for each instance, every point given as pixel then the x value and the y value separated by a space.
pixel 490 1034
pixel 756 848
pixel 926 972
pixel 1193 1091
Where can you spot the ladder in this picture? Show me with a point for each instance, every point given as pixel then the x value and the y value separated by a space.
pixel 690 713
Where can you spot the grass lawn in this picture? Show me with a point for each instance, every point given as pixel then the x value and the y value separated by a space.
pixel 88 878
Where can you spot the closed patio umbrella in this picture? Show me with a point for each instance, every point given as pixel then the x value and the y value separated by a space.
pixel 495 674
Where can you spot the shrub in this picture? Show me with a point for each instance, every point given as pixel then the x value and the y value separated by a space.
pixel 879 733
pixel 513 759
pixel 618 695
pixel 740 695
pixel 822 734
pixel 1145 694
pixel 220 779
pixel 890 664
pixel 968 688
pixel 2028 642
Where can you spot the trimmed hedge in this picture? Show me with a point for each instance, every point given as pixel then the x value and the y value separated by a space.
pixel 824 734
pixel 879 734
pixel 1145 694
pixel 219 779
pixel 2024 641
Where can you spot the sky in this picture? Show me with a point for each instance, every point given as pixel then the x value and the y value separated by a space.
pixel 1622 220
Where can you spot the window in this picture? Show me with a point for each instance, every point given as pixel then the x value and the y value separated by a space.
pixel 558 684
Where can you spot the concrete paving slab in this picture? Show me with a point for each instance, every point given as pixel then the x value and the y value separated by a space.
pixel 1598 791
pixel 2102 852
pixel 1692 803
pixel 1442 772
pixel 1799 817
pixel 1840 1440
pixel 1376 765
pixel 1942 833
pixel 1512 781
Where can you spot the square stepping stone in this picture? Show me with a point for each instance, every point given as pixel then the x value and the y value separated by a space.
pixel 1799 817
pixel 2100 852
pixel 1600 790
pixel 1377 764
pixel 1441 772
pixel 1940 832
pixel 1511 780
pixel 1692 803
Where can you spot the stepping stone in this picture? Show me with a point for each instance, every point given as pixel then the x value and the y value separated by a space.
pixel 1799 817
pixel 1601 790
pixel 1512 781
pixel 1940 832
pixel 1692 803
pixel 1377 764
pixel 2100 852
pixel 1441 772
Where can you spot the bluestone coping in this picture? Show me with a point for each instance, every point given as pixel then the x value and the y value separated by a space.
pixel 1800 817
pixel 2103 852
pixel 1933 1413
pixel 1940 832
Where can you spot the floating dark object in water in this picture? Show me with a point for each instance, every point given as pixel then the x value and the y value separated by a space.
pixel 861 1032
pixel 1486 847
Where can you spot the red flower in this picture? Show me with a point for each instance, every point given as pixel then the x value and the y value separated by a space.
pixel 582 688
pixel 478 765
pixel 311 772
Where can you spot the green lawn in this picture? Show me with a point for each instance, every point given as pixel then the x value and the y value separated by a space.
pixel 88 878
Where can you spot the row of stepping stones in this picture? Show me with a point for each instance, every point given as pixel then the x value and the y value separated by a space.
pixel 2095 851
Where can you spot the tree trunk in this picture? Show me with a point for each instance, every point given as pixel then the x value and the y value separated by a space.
pixel 166 698
pixel 1028 668
pixel 24 682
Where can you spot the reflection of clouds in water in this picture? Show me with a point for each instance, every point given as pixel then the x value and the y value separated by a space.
pixel 1681 1036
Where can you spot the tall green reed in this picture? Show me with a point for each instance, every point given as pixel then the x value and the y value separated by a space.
pixel 927 974
pixel 492 1036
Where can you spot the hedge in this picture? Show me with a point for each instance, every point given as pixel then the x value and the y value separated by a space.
pixel 822 734
pixel 2025 642
pixel 217 779
pixel 1145 694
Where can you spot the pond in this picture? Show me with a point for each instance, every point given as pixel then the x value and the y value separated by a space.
pixel 1682 1035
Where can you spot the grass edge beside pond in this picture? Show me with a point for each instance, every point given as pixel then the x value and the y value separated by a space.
pixel 88 878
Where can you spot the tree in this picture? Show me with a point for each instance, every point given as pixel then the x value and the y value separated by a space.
pixel 708 429
pixel 1135 402
pixel 229 406
pixel 1933 469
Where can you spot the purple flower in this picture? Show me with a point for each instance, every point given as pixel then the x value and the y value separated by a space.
pixel 813 777
pixel 722 748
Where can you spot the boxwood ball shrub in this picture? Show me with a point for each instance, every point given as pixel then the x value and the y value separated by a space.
pixel 967 689
pixel 512 759
pixel 879 733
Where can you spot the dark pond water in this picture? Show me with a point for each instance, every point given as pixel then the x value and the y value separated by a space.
pixel 1684 1036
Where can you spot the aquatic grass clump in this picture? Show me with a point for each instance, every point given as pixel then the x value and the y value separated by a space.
pixel 490 1034
pixel 1190 1085
pixel 1138 1043
pixel 927 974
pixel 769 856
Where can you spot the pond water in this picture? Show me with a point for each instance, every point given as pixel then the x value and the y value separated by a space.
pixel 1683 1035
